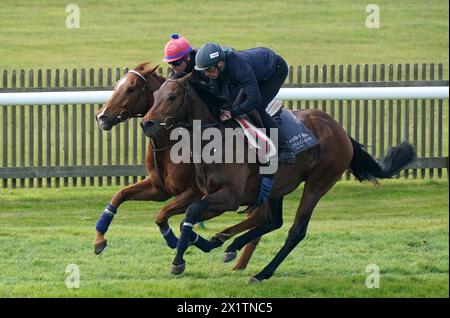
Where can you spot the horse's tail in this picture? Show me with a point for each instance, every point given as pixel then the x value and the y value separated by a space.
pixel 364 167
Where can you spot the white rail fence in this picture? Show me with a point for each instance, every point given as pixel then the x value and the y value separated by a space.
pixel 331 93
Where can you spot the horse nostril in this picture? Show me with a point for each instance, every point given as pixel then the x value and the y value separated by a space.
pixel 101 117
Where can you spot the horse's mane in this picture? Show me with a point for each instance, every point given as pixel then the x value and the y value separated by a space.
pixel 178 75
pixel 215 103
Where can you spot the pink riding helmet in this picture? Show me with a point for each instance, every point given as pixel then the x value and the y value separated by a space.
pixel 176 48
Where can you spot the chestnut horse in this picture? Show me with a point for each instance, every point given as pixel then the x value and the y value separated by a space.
pixel 133 97
pixel 227 186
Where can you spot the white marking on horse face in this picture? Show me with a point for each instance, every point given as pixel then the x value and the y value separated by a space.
pixel 102 113
pixel 121 82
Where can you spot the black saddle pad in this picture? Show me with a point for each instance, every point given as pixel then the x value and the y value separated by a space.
pixel 299 136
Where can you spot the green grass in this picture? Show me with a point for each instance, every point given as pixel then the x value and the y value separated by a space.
pixel 401 226
pixel 122 33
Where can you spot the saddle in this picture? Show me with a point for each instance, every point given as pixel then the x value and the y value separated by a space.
pixel 299 136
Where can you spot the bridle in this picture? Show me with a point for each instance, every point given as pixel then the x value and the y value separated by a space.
pixel 126 114
pixel 170 122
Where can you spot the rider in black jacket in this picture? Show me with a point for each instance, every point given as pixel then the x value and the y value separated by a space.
pixel 259 74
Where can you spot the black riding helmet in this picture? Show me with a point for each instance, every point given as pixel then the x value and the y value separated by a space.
pixel 209 54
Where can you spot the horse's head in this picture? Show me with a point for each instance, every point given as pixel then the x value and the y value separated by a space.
pixel 169 107
pixel 132 96
pixel 177 103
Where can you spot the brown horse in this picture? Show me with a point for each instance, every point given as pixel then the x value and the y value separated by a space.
pixel 227 186
pixel 133 97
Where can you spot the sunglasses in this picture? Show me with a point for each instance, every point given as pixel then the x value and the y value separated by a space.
pixel 177 62
pixel 211 68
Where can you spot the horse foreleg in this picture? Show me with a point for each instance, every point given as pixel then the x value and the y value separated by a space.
pixel 219 201
pixel 176 206
pixel 143 190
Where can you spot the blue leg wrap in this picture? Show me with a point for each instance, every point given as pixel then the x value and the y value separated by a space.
pixel 169 236
pixel 186 233
pixel 201 243
pixel 265 187
pixel 106 218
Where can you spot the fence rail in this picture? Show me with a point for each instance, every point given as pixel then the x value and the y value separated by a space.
pixel 59 145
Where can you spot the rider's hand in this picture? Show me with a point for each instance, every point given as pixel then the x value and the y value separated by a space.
pixel 226 115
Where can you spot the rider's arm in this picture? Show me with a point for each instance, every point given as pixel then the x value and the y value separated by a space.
pixel 246 78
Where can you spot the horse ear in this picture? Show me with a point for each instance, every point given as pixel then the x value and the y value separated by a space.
pixel 150 71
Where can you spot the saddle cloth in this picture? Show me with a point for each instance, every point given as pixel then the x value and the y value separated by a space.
pixel 298 135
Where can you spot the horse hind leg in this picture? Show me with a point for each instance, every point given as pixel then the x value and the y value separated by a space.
pixel 246 255
pixel 254 219
pixel 273 221
pixel 217 202
pixel 310 198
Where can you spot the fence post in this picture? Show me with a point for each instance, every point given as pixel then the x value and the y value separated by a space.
pixel 440 120
pixel 31 129
pixel 91 127
pixel 5 130
pixel 423 122
pixel 48 139
pixel 13 129
pixel 57 148
pixel 83 127
pixel 22 130
pixel 74 127
pixel 100 133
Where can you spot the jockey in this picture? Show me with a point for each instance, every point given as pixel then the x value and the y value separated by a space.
pixel 180 55
pixel 259 74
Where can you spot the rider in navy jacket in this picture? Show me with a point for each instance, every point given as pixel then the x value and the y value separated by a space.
pixel 245 69
pixel 258 72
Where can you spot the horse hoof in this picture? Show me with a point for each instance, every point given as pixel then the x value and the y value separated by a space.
pixel 98 248
pixel 178 269
pixel 254 280
pixel 229 256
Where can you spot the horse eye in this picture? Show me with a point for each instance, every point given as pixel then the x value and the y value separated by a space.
pixel 172 97
pixel 130 89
